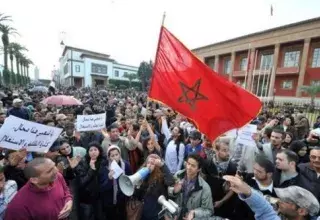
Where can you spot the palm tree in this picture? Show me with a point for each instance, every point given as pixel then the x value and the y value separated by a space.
pixel 312 91
pixel 4 17
pixel 11 54
pixel 21 62
pixel 130 77
pixel 6 32
pixel 17 49
pixel 27 63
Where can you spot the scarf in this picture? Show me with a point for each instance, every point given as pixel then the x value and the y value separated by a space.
pixel 115 183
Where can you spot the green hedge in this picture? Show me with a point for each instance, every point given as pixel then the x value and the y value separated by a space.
pixel 125 84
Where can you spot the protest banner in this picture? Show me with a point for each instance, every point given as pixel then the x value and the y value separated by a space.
pixel 246 133
pixel 17 133
pixel 91 122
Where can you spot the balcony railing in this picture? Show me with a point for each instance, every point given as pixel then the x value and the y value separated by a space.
pixel 288 70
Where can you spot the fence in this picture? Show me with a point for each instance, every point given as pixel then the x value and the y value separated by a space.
pixel 311 112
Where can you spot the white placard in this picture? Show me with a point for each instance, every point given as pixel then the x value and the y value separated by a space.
pixel 116 169
pixel 245 135
pixel 17 133
pixel 91 122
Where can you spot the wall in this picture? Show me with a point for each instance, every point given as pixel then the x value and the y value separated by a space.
pixel 122 69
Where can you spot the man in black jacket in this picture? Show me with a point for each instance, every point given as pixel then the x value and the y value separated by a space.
pixel 287 172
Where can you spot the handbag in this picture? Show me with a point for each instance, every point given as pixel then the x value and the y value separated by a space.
pixel 134 209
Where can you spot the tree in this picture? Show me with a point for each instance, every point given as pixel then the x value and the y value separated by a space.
pixel 144 73
pixel 17 49
pixel 6 31
pixel 28 62
pixel 11 54
pixel 22 70
pixel 312 91
pixel 130 77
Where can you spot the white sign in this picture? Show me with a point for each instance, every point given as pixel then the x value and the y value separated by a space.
pixel 91 122
pixel 116 169
pixel 17 133
pixel 245 135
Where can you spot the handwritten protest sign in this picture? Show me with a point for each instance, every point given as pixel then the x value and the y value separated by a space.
pixel 17 133
pixel 91 122
pixel 245 135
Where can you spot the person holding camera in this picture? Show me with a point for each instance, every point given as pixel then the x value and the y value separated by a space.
pixel 294 202
pixel 192 193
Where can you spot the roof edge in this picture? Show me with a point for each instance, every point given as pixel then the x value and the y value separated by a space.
pixel 260 32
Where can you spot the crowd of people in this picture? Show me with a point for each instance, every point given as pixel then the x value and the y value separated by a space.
pixel 275 178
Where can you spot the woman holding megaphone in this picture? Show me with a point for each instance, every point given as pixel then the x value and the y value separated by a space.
pixel 153 186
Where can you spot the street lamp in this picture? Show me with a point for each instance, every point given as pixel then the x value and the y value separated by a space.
pixel 71 74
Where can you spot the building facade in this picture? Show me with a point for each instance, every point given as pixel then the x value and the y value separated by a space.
pixel 274 62
pixel 83 68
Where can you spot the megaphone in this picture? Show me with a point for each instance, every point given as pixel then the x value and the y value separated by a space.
pixel 170 208
pixel 127 183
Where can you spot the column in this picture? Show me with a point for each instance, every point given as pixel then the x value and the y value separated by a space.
pixel 274 70
pixel 233 57
pixel 303 65
pixel 252 61
pixel 216 63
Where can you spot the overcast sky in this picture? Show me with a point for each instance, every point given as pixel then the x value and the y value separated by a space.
pixel 128 29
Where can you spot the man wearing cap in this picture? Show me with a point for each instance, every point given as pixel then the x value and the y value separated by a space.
pixel 61 120
pixel 294 202
pixel 18 110
pixel 195 144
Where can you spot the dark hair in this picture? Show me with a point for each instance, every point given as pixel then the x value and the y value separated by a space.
pixel 136 127
pixel 47 121
pixel 112 126
pixel 197 158
pixel 30 170
pixel 99 158
pixel 296 146
pixel 279 131
pixel 69 124
pixel 291 156
pixel 265 163
pixel 268 132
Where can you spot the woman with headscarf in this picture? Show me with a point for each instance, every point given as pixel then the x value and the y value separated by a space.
pixel 114 201
pixel 301 149
pixel 153 187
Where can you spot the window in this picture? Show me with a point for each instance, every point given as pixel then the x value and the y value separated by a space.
pixel 77 68
pixel 125 73
pixel 227 66
pixel 315 82
pixel 266 61
pixel 316 58
pixel 116 73
pixel 65 68
pixel 287 84
pixel 291 59
pixel 99 68
pixel 210 62
pixel 243 64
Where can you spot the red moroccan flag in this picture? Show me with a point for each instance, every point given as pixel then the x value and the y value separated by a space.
pixel 184 83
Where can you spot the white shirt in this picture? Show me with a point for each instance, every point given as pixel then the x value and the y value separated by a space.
pixel 171 158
